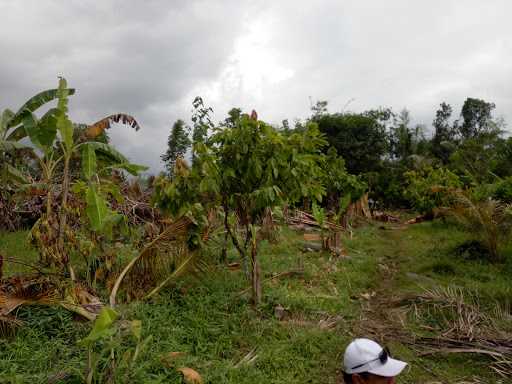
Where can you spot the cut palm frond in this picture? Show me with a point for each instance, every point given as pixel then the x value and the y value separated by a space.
pixel 25 290
pixel 164 258
pixel 43 290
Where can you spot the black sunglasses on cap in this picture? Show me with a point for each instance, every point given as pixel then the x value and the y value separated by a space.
pixel 383 358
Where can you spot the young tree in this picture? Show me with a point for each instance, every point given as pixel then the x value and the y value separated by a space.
pixel 339 184
pixel 253 168
pixel 177 145
pixel 248 167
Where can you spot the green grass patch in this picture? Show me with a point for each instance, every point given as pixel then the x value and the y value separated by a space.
pixel 212 321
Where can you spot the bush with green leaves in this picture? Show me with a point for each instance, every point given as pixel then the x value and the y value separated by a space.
pixel 503 190
pixel 429 187
pixel 339 184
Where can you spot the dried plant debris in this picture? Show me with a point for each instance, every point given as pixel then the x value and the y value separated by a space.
pixel 445 320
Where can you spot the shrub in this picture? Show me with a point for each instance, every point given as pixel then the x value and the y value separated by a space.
pixel 503 190
pixel 430 187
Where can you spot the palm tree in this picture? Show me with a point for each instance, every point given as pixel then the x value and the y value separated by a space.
pixel 490 221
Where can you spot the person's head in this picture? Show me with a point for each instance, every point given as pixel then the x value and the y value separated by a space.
pixel 366 362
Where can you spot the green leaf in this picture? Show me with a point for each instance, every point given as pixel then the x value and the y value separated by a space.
pixel 88 161
pixel 79 187
pixel 47 128
pixel 102 326
pixel 110 152
pixel 344 203
pixel 65 128
pixel 34 103
pixel 97 210
pixel 41 132
pixel 64 125
pixel 132 169
pixel 30 123
pixel 111 220
pixel 108 186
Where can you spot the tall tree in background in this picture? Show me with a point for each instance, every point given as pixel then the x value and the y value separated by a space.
pixel 477 154
pixel 444 133
pixel 401 136
pixel 360 139
pixel 177 145
pixel 477 118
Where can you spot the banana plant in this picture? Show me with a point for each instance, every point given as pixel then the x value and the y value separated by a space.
pixel 107 353
pixel 53 138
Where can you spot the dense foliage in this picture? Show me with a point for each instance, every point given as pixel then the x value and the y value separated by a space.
pixel 429 188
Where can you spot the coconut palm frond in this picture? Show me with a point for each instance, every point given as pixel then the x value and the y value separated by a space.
pixel 157 259
pixel 186 263
pixel 25 290
pixel 489 220
pixel 43 290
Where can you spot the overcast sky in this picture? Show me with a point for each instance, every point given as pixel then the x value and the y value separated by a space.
pixel 150 58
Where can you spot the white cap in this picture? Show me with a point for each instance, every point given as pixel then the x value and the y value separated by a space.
pixel 364 355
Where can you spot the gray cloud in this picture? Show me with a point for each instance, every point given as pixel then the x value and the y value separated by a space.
pixel 151 58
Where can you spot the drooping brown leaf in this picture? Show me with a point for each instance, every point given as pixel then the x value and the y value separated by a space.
pixel 97 128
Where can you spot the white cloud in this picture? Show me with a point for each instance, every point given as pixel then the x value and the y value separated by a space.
pixel 151 58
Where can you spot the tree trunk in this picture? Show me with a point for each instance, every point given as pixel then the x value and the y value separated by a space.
pixel 224 253
pixel 63 211
pixel 242 249
pixel 256 275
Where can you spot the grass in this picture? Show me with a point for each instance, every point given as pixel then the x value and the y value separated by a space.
pixel 216 327
pixel 15 245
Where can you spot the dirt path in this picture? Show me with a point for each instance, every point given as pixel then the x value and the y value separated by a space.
pixel 380 319
pixel 383 317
